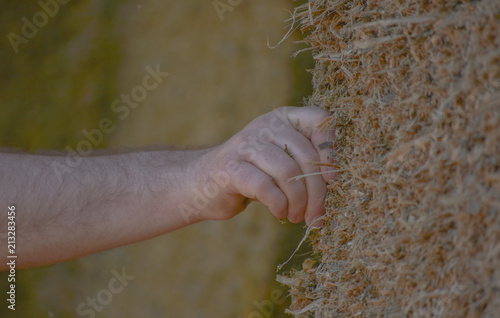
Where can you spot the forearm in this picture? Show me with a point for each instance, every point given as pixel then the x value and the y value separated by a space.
pixel 103 202
pixel 70 207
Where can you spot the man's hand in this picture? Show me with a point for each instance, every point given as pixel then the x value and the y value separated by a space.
pixel 259 163
pixel 104 201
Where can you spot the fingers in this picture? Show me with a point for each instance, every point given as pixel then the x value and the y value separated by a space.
pixel 306 121
pixel 304 154
pixel 277 164
pixel 277 147
pixel 254 184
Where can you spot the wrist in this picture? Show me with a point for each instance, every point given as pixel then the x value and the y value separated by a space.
pixel 177 181
pixel 208 187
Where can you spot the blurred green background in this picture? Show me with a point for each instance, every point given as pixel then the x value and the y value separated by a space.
pixel 222 75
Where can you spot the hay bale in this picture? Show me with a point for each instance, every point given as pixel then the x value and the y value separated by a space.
pixel 413 225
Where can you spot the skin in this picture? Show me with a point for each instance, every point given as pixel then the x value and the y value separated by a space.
pixel 117 199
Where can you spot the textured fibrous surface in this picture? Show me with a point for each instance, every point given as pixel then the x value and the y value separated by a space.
pixel 413 224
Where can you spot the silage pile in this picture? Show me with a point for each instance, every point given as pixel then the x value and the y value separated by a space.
pixel 413 227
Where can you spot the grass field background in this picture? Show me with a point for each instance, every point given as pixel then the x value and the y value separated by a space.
pixel 222 75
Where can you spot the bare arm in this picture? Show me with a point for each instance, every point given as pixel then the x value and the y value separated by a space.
pixel 106 201
pixel 113 200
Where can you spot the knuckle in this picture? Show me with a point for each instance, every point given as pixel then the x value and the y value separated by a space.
pixel 263 185
pixel 312 156
pixel 288 169
pixel 260 121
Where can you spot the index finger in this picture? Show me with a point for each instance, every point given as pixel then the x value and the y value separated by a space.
pixel 309 121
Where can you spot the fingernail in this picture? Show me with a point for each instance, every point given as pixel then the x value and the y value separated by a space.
pixel 325 145
pixel 317 221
